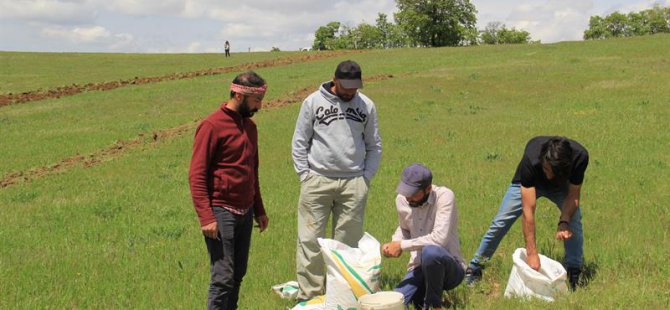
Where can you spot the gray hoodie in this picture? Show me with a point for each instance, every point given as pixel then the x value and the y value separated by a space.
pixel 336 139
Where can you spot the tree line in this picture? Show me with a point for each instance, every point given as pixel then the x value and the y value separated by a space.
pixel 651 21
pixel 418 23
pixel 434 23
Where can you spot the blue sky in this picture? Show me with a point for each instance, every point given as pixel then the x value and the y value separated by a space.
pixel 201 26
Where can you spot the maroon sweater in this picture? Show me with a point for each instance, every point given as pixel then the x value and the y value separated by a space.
pixel 224 166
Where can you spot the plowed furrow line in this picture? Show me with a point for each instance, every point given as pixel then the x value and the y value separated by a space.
pixel 70 90
pixel 143 139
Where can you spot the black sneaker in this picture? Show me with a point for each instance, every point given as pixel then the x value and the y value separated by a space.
pixel 472 276
pixel 573 277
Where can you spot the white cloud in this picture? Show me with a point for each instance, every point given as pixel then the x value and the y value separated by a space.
pixel 90 35
pixel 194 47
pixel 48 11
pixel 554 20
pixel 551 20
pixel 145 7
pixel 636 6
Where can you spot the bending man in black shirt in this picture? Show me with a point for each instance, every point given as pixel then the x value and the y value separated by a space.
pixel 551 167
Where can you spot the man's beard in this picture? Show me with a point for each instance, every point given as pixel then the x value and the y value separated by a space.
pixel 416 204
pixel 244 109
pixel 344 97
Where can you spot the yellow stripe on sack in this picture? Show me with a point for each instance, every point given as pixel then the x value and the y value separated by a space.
pixel 316 300
pixel 357 287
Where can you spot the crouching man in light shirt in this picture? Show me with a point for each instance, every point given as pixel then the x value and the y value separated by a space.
pixel 428 227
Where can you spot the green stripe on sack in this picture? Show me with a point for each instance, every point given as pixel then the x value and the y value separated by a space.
pixel 352 271
pixel 375 267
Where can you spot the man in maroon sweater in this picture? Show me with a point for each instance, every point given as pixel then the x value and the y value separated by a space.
pixel 224 186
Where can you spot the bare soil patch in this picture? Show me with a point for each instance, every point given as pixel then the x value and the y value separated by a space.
pixel 70 90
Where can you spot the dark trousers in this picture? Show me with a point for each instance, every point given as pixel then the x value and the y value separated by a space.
pixel 228 257
pixel 438 272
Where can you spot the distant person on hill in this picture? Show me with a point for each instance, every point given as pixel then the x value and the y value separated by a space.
pixel 551 167
pixel 429 229
pixel 224 186
pixel 336 151
pixel 226 46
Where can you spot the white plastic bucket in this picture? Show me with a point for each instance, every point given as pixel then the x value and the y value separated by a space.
pixel 388 300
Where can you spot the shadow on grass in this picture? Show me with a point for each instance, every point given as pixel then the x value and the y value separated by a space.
pixel 589 271
pixel 454 299
pixel 589 268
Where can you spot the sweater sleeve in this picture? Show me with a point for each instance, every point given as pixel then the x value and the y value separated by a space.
pixel 259 208
pixel 302 139
pixel 444 218
pixel 373 145
pixel 204 147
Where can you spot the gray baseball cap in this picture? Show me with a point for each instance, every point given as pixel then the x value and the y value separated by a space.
pixel 414 178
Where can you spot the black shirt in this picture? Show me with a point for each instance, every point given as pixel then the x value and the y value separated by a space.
pixel 529 173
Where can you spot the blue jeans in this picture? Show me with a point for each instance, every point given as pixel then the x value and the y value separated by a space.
pixel 439 271
pixel 510 210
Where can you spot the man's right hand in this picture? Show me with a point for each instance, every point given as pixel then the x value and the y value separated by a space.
pixel 392 249
pixel 210 230
pixel 533 261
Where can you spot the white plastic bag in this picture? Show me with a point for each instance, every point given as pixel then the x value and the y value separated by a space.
pixel 288 290
pixel 526 282
pixel 351 272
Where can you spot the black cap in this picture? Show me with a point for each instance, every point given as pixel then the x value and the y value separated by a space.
pixel 349 74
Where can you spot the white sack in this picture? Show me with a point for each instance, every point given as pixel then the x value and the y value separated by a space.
pixel 351 272
pixel 526 282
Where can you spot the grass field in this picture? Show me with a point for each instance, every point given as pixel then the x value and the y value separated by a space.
pixel 30 71
pixel 121 232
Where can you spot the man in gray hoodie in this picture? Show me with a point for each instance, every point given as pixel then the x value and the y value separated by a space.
pixel 336 151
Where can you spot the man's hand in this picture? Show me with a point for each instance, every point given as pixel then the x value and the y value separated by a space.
pixel 564 232
pixel 392 249
pixel 210 230
pixel 533 261
pixel 262 222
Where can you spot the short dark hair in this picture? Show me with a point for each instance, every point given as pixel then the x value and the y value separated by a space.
pixel 248 78
pixel 557 152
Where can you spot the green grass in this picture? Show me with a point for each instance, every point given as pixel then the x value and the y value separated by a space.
pixel 22 71
pixel 123 234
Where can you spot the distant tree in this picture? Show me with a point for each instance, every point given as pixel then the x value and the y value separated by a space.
pixel 344 39
pixel 275 49
pixel 437 22
pixel 392 35
pixel 490 34
pixel 651 21
pixel 497 33
pixel 367 36
pixel 325 35
pixel 616 24
pixel 397 37
pixel 657 19
pixel 384 27
pixel 597 29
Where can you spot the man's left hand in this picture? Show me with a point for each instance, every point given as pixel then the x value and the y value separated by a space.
pixel 262 222
pixel 564 232
pixel 392 249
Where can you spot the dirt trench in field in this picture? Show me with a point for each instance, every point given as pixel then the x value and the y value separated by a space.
pixel 152 138
pixel 69 90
